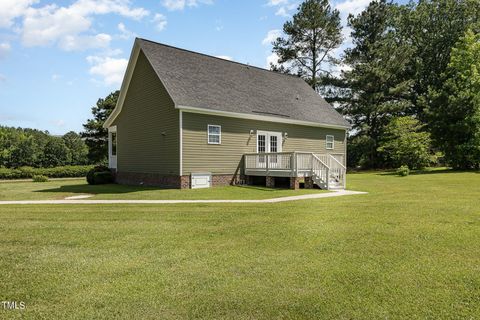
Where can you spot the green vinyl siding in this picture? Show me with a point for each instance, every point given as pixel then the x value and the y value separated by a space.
pixel 148 126
pixel 226 157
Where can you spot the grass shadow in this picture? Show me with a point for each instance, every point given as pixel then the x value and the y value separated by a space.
pixel 99 189
pixel 123 189
pixel 426 171
pixel 261 188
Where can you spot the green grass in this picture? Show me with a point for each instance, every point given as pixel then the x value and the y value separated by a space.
pixel 59 189
pixel 407 250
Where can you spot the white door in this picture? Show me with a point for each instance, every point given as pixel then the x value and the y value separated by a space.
pixel 269 142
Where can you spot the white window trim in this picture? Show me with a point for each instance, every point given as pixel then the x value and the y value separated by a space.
pixel 112 159
pixel 214 134
pixel 267 135
pixel 332 142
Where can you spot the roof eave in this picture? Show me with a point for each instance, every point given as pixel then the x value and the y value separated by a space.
pixel 259 117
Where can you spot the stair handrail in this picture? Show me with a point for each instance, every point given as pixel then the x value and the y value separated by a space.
pixel 344 169
pixel 327 169
pixel 323 163
pixel 338 162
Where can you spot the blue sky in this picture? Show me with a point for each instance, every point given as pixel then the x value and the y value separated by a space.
pixel 58 57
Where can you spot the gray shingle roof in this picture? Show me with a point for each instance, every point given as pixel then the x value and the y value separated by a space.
pixel 197 80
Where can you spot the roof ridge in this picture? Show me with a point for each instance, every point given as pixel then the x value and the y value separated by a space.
pixel 224 60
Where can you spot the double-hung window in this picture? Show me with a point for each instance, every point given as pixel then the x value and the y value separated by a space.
pixel 214 134
pixel 330 142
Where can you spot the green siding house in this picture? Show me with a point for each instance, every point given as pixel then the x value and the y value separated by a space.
pixel 188 120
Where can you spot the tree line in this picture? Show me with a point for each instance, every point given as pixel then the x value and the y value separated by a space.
pixel 34 148
pixel 409 82
pixel 23 147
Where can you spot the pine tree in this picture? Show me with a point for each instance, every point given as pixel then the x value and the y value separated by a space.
pixel 96 137
pixel 374 88
pixel 310 38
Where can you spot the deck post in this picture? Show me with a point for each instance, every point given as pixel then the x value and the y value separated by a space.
pixel 328 178
pixel 294 183
pixel 293 162
pixel 266 164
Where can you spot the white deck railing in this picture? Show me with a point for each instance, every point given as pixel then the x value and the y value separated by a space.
pixel 326 170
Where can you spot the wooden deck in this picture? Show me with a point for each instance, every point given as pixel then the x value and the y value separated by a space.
pixel 326 170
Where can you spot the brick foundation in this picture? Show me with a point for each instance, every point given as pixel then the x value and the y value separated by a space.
pixel 270 182
pixel 294 183
pixel 308 183
pixel 219 180
pixel 185 182
pixel 150 179
pixel 169 181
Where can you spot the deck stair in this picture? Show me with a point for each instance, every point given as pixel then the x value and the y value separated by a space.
pixel 325 170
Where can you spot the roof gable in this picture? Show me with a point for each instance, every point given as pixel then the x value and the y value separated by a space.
pixel 208 83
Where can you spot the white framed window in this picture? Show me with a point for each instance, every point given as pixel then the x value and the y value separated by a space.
pixel 214 134
pixel 329 142
pixel 114 143
pixel 112 147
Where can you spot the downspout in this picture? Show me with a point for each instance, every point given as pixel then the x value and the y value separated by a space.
pixel 181 142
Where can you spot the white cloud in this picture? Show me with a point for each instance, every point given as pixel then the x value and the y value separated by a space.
pixel 218 25
pixel 56 76
pixel 124 32
pixel 272 59
pixel 66 26
pixel 181 4
pixel 4 49
pixel 2 78
pixel 160 20
pixel 11 9
pixel 99 7
pixel 74 43
pixel 58 123
pixel 272 35
pixel 277 2
pixel 111 70
pixel 284 7
pixel 225 58
pixel 351 6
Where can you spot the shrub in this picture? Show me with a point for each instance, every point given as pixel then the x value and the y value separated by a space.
pixel 99 175
pixel 39 178
pixel 403 171
pixel 406 143
pixel 103 177
pixel 57 172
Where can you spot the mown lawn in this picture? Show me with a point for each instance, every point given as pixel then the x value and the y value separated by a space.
pixel 410 249
pixel 59 189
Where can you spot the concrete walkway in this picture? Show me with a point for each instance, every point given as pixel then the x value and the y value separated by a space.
pixel 338 193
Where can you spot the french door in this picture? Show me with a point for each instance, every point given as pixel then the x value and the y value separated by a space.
pixel 268 142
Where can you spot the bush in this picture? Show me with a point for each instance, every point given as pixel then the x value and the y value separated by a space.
pixel 39 178
pixel 406 143
pixel 403 171
pixel 103 177
pixel 99 175
pixel 57 172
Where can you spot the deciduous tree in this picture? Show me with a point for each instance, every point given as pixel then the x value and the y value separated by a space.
pixel 455 107
pixel 406 143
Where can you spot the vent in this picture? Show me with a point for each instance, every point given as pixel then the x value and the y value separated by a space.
pixel 271 113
